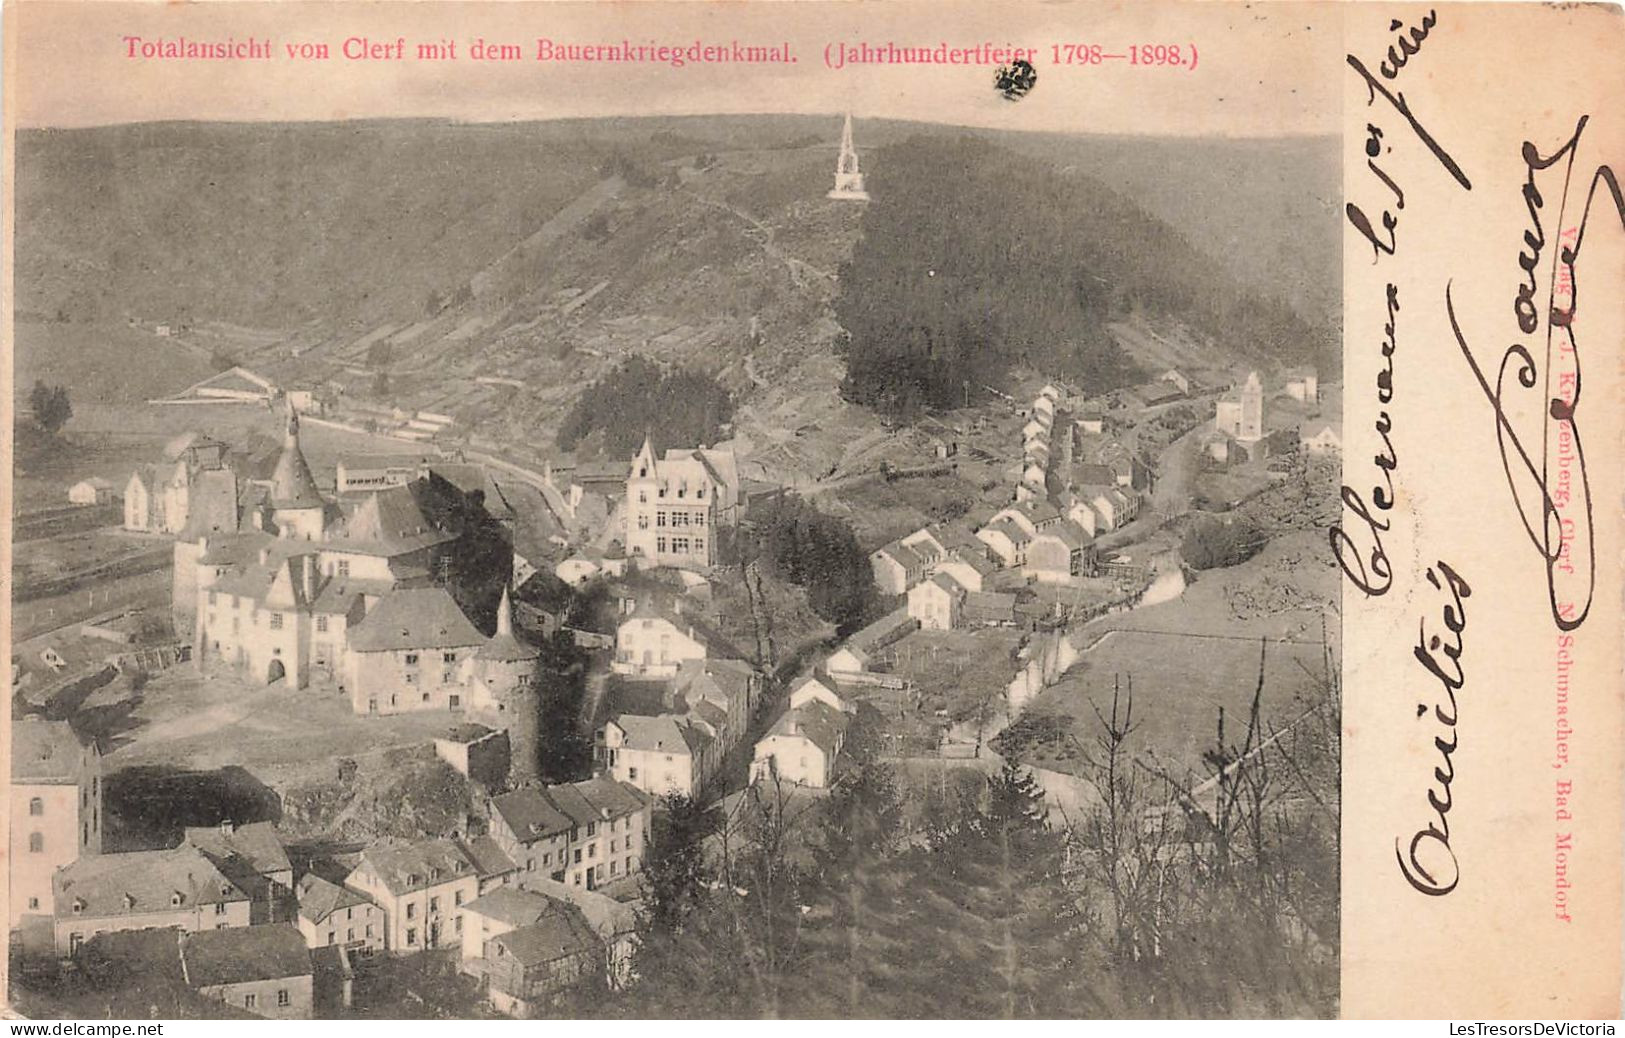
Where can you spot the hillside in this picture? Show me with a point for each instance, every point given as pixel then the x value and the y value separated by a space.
pixel 491 271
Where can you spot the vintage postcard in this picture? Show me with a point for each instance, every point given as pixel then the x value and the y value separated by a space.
pixel 814 510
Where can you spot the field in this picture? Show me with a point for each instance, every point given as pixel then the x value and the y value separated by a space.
pixel 1192 657
pixel 279 734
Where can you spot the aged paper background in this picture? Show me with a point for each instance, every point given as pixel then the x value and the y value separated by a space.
pixel 1487 78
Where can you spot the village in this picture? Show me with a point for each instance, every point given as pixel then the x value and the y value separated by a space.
pixel 229 608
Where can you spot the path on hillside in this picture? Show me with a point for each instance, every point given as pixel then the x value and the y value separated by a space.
pixel 798 267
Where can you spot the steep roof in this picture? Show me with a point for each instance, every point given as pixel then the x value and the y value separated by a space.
pixel 388 522
pixel 469 478
pixel 511 905
pixel 505 646
pixel 404 867
pixel 258 844
pixel 139 882
pixel 240 954
pixel 292 485
pixel 488 858
pixel 813 720
pixel 45 752
pixel 415 618
pixel 663 733
pixel 1010 528
pixel 1068 533
pixel 319 898
pixel 562 933
pixel 531 813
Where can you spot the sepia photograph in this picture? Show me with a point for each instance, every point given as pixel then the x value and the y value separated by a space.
pixel 681 529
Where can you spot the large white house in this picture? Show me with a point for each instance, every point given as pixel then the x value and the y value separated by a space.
pixel 675 503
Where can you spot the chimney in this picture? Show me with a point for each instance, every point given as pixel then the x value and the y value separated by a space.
pixel 677 606
pixel 227 827
pixel 576 493
pixel 307 570
pixel 790 728
pixel 265 555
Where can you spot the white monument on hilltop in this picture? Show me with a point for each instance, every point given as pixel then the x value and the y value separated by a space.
pixel 848 181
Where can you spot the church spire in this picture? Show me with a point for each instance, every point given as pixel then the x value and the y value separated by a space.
pixel 848 179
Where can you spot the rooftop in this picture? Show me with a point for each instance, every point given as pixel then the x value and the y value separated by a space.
pixel 559 934
pixel 241 954
pixel 415 618
pixel 45 752
pixel 404 867
pixel 141 882
pixel 319 898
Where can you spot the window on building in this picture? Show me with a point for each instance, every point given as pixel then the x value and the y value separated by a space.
pixel 411 935
pixel 456 701
pixel 411 910
pixel 592 850
pixel 643 497
pixel 578 855
pixel 250 1000
pixel 699 544
pixel 631 774
pixel 679 518
pixel 612 868
pixel 321 624
pixel 411 679
pixel 425 697
pixel 330 937
pixel 369 930
pixel 276 621
pixel 344 567
pixel 36 806
pixel 411 659
pixel 679 544
pixel 660 544
pixel 219 908
pixel 449 657
pixel 613 845
pixel 457 897
pixel 547 859
pixel 434 904
pixel 36 842
pixel 660 518
pixel 592 829
pixel 282 997
pixel 349 933
pixel 33 903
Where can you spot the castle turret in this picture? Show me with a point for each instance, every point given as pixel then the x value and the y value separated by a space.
pixel 506 669
pixel 297 505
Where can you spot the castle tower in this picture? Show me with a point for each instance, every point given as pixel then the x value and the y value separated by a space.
pixel 848 180
pixel 1252 410
pixel 297 505
pixel 505 667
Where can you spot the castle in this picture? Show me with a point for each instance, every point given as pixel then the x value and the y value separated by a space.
pixel 280 583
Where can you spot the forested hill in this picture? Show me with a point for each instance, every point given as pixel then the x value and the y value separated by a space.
pixel 974 258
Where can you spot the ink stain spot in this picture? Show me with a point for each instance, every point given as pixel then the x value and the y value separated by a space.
pixel 1015 80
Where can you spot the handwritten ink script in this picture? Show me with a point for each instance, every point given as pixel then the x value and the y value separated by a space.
pixel 1533 390
pixel 1425 858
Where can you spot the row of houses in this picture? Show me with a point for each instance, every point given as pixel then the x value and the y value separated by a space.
pixel 521 904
